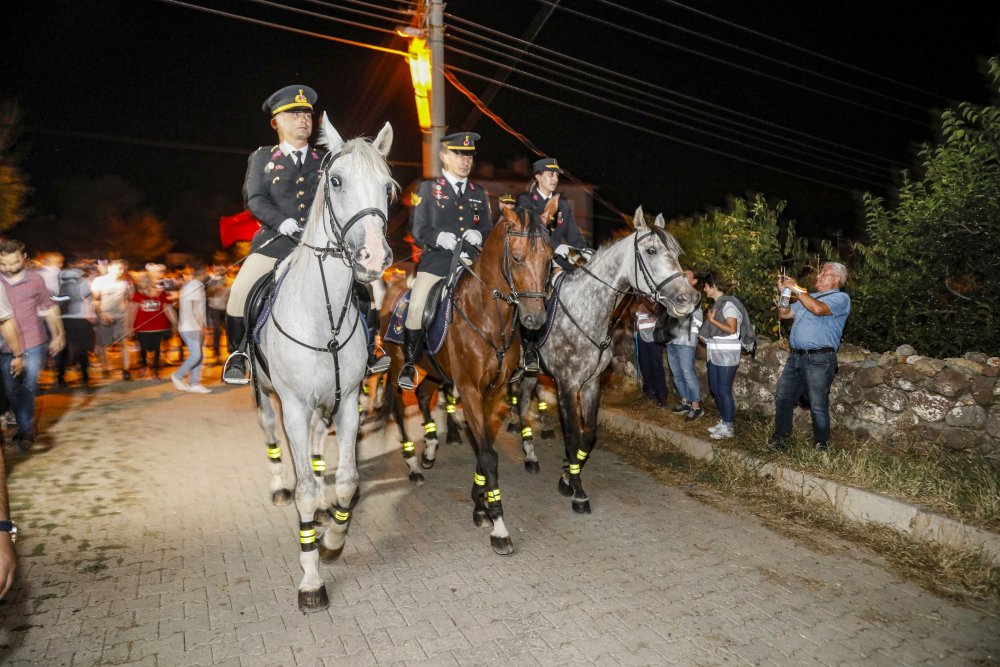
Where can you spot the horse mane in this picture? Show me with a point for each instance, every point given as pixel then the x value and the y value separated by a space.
pixel 666 237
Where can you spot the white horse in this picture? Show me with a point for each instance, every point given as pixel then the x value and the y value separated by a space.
pixel 314 341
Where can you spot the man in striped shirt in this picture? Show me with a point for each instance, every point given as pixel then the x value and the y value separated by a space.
pixel 28 296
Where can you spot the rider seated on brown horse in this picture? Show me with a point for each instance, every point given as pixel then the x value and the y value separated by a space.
pixel 447 211
pixel 564 236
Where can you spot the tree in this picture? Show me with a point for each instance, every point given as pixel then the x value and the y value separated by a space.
pixel 744 245
pixel 13 187
pixel 928 274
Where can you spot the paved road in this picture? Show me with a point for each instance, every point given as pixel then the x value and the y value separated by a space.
pixel 148 538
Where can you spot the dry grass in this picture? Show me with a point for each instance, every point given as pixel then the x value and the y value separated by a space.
pixel 965 577
pixel 961 485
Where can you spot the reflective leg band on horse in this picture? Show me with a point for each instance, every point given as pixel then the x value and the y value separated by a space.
pixel 526 433
pixel 542 406
pixel 574 471
pixel 341 515
pixel 408 448
pixel 430 428
pixel 318 465
pixel 307 536
pixel 274 451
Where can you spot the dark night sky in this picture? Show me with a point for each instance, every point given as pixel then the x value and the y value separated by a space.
pixel 100 82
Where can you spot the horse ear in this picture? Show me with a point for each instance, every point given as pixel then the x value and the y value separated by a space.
pixel 328 135
pixel 550 208
pixel 659 222
pixel 383 142
pixel 639 219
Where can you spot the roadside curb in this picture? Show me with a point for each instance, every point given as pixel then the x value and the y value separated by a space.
pixel 851 502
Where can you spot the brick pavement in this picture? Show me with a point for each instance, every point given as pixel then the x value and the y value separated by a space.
pixel 148 538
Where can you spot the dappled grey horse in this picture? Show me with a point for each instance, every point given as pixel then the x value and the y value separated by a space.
pixel 577 349
pixel 313 342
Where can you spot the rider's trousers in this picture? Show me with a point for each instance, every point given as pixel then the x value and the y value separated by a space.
pixel 253 268
pixel 422 284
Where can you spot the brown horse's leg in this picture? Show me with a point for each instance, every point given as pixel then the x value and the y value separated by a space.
pixel 454 429
pixel 394 397
pixel 425 392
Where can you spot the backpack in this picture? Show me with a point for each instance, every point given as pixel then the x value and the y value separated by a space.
pixel 748 332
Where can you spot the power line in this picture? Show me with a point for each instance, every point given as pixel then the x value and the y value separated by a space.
pixel 556 55
pixel 316 15
pixel 630 93
pixel 803 50
pixel 723 61
pixel 799 68
pixel 646 130
pixel 277 26
pixel 679 124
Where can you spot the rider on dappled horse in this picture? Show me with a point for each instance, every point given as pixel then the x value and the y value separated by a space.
pixel 279 188
pixel 563 235
pixel 446 211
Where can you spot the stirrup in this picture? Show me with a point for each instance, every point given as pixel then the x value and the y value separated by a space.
pixel 245 379
pixel 517 375
pixel 406 380
pixel 381 365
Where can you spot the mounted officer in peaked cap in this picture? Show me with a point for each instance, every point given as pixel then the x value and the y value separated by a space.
pixel 563 235
pixel 447 211
pixel 279 188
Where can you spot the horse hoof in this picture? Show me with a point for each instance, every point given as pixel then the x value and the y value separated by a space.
pixel 481 519
pixel 511 427
pixel 455 439
pixel 548 434
pixel 502 546
pixel 564 488
pixel 321 517
pixel 282 497
pixel 328 556
pixel 310 601
pixel 426 463
pixel 531 466
pixel 417 478
pixel 581 506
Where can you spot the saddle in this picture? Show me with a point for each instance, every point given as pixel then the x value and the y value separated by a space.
pixel 256 312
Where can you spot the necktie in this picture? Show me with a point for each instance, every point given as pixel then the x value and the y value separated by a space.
pixel 460 187
pixel 297 156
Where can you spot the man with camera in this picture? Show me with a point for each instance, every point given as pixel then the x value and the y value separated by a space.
pixel 815 338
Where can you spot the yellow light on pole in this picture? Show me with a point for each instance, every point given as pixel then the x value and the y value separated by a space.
pixel 419 59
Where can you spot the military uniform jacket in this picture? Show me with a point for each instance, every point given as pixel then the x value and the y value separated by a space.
pixel 562 227
pixel 436 209
pixel 275 189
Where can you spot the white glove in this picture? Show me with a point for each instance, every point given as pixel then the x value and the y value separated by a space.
pixel 447 240
pixel 473 236
pixel 289 227
pixel 562 251
pixel 465 258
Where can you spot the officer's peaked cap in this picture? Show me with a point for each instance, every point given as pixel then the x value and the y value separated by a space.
pixel 290 98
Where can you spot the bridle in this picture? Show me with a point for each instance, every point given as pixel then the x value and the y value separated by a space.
pixel 337 246
pixel 640 266
pixel 513 298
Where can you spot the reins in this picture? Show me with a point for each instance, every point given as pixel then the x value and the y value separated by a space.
pixel 511 299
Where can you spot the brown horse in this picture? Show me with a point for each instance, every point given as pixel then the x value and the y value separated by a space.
pixel 506 283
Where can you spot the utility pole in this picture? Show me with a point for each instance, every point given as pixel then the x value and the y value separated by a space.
pixel 432 140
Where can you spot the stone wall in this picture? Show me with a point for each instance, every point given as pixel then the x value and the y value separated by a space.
pixel 954 402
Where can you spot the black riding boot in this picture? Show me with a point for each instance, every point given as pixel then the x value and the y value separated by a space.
pixel 412 343
pixel 529 346
pixel 235 370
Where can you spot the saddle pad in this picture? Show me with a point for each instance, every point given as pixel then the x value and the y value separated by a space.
pixel 551 307
pixel 269 297
pixel 436 332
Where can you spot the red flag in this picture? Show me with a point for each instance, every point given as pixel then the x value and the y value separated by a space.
pixel 239 227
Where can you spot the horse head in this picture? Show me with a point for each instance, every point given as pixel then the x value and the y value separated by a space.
pixel 349 214
pixel 526 259
pixel 658 274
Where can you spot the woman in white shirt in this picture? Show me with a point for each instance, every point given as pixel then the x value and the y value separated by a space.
pixel 721 333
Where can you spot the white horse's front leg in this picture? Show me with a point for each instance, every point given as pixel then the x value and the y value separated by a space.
pixel 312 592
pixel 317 461
pixel 346 484
pixel 281 494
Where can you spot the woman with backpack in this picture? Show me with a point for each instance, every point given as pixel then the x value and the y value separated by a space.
pixel 721 334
